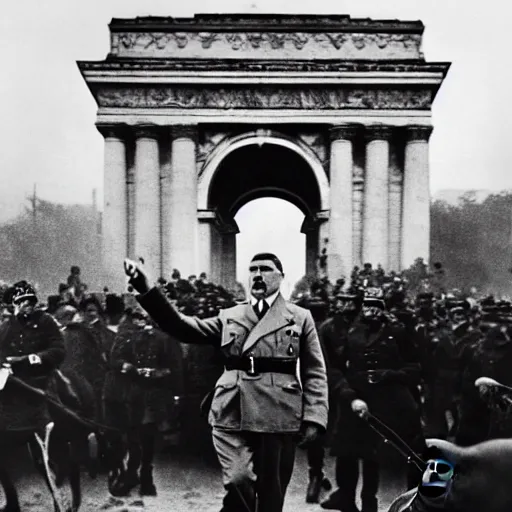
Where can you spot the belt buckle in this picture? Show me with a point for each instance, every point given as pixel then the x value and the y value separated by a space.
pixel 252 370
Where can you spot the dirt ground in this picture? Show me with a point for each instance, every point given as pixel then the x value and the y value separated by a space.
pixel 184 483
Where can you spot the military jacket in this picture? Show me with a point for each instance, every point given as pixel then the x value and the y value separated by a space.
pixel 265 402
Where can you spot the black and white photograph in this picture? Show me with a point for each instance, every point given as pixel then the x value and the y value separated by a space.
pixel 255 256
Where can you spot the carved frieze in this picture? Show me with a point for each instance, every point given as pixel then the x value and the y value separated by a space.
pixel 263 97
pixel 207 143
pixel 264 44
pixel 316 142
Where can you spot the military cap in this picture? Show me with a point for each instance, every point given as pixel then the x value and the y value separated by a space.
pixel 22 290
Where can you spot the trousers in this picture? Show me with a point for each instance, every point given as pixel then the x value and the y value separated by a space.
pixel 256 469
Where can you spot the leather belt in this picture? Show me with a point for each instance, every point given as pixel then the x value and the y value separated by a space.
pixel 256 365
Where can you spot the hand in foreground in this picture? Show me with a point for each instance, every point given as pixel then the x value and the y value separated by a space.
pixel 360 407
pixel 308 433
pixel 136 277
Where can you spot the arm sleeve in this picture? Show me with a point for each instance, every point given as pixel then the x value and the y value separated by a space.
pixel 410 373
pixel 313 376
pixel 337 364
pixel 120 353
pixel 54 353
pixel 187 329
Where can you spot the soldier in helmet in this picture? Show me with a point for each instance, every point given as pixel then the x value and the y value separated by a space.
pixel 32 345
pixel 377 366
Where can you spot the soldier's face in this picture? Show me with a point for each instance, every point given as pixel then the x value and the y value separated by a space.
pixel 91 313
pixel 264 278
pixel 372 312
pixel 459 317
pixel 23 307
pixel 345 307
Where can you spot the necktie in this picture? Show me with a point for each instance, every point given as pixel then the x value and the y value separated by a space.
pixel 261 308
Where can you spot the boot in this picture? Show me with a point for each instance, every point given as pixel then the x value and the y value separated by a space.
pixel 370 505
pixel 336 501
pixel 147 486
pixel 317 482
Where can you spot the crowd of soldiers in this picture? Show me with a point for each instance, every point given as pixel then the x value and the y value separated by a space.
pixel 411 360
pixel 427 347
pixel 135 374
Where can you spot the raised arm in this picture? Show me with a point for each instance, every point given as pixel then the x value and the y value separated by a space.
pixel 187 329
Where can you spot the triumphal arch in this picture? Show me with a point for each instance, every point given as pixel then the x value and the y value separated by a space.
pixel 201 115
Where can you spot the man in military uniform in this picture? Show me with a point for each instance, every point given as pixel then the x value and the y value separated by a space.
pixel 490 357
pixel 333 333
pixel 273 391
pixel 145 382
pixel 377 367
pixel 32 345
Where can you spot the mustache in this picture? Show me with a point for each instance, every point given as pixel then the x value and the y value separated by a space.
pixel 259 283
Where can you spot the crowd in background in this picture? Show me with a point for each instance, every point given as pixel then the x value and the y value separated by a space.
pixel 458 336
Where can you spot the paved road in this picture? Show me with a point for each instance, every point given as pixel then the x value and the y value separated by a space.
pixel 184 484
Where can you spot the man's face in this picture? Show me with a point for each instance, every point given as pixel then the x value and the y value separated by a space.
pixel 459 317
pixel 23 307
pixel 91 313
pixel 371 312
pixel 264 278
pixel 345 307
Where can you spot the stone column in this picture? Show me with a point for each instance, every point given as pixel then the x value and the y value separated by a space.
pixel 115 209
pixel 228 279
pixel 182 206
pixel 310 228
pixel 216 254
pixel 311 251
pixel 357 214
pixel 375 216
pixel 147 199
pixel 339 262
pixel 395 214
pixel 205 247
pixel 416 196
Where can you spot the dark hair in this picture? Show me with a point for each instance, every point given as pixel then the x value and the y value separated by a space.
pixel 269 256
pixel 75 269
pixel 91 299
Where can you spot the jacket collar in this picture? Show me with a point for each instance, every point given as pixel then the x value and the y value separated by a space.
pixel 277 316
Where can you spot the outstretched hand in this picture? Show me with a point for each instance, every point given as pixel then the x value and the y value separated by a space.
pixel 136 276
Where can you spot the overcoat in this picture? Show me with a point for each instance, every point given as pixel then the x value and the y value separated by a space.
pixel 379 367
pixel 266 402
pixel 38 334
pixel 131 400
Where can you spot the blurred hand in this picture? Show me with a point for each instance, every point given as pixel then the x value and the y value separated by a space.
pixel 308 433
pixel 136 277
pixel 360 407
pixel 128 368
pixel 16 359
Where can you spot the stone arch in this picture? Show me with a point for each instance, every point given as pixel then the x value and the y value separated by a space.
pixel 260 137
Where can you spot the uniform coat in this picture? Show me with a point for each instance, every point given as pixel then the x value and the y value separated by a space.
pixel 387 392
pixel 131 400
pixel 267 402
pixel 38 334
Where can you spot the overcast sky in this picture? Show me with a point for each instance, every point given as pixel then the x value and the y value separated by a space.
pixel 47 133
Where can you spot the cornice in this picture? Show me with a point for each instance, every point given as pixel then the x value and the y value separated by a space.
pixel 160 64
pixel 263 22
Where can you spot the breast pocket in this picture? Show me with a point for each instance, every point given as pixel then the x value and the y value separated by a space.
pixel 233 334
pixel 288 342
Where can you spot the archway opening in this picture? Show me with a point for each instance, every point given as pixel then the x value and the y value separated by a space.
pixel 285 177
pixel 273 225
